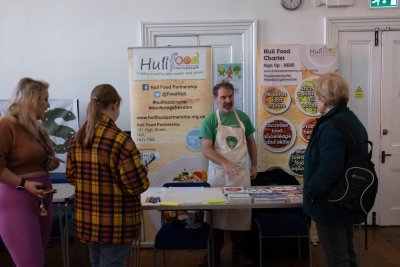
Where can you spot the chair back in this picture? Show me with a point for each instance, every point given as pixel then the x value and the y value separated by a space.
pixel 188 184
pixel 276 176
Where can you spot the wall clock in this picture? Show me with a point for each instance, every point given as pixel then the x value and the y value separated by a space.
pixel 291 4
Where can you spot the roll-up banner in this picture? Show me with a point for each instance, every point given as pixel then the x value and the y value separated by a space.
pixel 170 95
pixel 287 108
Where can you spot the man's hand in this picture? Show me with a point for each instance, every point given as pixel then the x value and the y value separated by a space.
pixel 229 168
pixel 253 172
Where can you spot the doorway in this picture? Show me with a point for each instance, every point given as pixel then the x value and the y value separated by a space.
pixel 230 41
pixel 369 58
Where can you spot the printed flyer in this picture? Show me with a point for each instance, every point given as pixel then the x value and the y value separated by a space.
pixel 287 108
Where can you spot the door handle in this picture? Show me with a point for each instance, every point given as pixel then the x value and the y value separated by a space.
pixel 383 155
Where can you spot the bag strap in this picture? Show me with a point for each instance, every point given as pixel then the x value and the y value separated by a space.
pixel 350 142
pixel 351 146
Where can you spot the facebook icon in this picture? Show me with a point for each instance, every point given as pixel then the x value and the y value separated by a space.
pixel 145 87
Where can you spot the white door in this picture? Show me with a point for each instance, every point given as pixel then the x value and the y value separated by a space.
pixel 370 67
pixel 390 129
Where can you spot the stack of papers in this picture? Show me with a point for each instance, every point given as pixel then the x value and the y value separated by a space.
pixel 239 198
pixel 270 198
pixel 295 198
pixel 286 190
pixel 258 190
pixel 233 190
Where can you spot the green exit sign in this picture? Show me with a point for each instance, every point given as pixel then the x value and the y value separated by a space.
pixel 383 3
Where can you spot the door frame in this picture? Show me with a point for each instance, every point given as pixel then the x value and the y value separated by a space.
pixel 247 28
pixel 334 25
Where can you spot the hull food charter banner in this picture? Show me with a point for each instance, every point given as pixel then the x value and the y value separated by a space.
pixel 287 108
pixel 170 89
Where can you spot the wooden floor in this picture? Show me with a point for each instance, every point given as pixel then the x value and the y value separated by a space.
pixel 384 250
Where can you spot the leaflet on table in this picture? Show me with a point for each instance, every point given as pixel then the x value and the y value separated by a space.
pixel 169 203
pixel 216 201
pixel 187 189
pixel 295 198
pixel 232 189
pixel 248 190
pixel 258 190
pixel 156 190
pixel 271 198
pixel 291 190
pixel 152 199
pixel 239 198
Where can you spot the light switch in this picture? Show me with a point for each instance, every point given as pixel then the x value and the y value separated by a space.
pixel 334 3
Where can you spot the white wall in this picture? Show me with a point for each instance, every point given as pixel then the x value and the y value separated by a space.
pixel 77 44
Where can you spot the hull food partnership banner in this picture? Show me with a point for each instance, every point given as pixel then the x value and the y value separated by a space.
pixel 287 108
pixel 170 90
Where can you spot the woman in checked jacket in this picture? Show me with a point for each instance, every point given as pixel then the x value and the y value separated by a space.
pixel 103 164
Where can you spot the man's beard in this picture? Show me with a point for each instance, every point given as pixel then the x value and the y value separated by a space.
pixel 227 106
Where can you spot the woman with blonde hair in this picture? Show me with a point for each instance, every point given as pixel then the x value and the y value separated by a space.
pixel 103 164
pixel 26 157
pixel 324 165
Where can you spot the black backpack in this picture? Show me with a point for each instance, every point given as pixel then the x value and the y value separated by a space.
pixel 356 190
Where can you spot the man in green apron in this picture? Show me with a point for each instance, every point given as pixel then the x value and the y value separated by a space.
pixel 227 139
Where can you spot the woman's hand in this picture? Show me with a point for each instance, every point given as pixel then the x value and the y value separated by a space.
pixel 35 188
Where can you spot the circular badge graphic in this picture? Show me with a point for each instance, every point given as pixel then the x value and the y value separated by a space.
pixel 307 127
pixel 296 160
pixel 187 60
pixel 305 97
pixel 178 60
pixel 193 141
pixel 278 134
pixel 276 100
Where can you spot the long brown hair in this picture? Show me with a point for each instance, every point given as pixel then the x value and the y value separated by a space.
pixel 102 97
pixel 22 106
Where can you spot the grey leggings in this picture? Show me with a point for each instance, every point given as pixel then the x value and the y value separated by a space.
pixel 337 244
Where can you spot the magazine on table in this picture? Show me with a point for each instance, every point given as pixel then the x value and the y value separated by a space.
pixel 232 190
pixel 270 198
pixel 239 198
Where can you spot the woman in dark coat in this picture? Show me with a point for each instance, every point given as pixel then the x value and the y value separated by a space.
pixel 324 164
